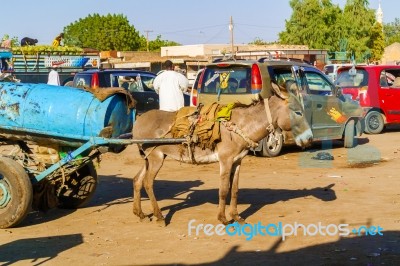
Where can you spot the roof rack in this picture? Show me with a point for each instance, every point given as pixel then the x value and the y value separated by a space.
pixel 263 59
pixel 225 59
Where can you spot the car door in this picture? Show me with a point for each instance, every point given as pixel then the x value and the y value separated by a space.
pixel 389 96
pixel 323 109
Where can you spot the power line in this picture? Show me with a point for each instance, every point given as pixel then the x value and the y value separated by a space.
pixel 193 29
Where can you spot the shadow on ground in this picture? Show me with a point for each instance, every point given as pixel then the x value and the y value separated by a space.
pixel 360 250
pixel 114 190
pixel 39 250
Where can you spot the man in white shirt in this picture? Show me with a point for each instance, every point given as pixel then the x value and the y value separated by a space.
pixel 54 79
pixel 170 86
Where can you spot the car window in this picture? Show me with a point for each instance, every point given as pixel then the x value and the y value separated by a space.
pixel 360 79
pixel 317 84
pixel 328 69
pixel 232 80
pixel 390 78
pixel 83 80
pixel 284 77
pixel 136 82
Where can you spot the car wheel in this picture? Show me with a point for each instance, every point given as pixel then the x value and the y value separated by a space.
pixel 272 144
pixel 374 123
pixel 349 136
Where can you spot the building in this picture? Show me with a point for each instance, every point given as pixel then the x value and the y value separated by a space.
pixel 391 54
pixel 192 58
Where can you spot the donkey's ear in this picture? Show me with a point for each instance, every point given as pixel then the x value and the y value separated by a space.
pixel 277 89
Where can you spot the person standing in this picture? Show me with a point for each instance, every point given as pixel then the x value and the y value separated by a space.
pixel 54 78
pixel 170 86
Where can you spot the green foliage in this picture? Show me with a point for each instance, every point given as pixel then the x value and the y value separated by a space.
pixel 313 23
pixel 323 25
pixel 358 20
pixel 155 45
pixel 392 32
pixel 110 32
pixel 377 42
pixel 259 41
pixel 14 40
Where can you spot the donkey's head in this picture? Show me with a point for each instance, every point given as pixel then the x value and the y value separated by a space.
pixel 289 115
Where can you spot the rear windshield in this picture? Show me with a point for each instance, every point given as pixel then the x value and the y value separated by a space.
pixel 346 78
pixel 232 80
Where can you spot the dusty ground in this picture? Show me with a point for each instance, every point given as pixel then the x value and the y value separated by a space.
pixel 360 188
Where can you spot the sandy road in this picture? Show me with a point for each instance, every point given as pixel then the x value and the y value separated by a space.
pixel 360 187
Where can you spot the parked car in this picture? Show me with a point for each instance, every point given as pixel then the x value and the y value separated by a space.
pixel 331 70
pixel 139 83
pixel 331 116
pixel 377 88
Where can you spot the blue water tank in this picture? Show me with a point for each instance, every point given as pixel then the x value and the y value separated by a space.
pixel 61 112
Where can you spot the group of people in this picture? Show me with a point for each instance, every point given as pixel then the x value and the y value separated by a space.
pixel 27 41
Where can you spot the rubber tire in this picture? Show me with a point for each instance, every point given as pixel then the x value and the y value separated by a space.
pixel 349 134
pixel 374 122
pixel 83 191
pixel 267 151
pixel 18 184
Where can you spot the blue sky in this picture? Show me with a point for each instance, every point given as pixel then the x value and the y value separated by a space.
pixel 186 22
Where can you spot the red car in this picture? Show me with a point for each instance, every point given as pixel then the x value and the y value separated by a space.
pixel 377 88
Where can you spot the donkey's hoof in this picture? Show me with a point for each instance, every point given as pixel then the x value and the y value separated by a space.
pixel 224 221
pixel 238 219
pixel 161 222
pixel 145 219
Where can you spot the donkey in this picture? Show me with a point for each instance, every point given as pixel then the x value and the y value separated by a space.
pixel 285 113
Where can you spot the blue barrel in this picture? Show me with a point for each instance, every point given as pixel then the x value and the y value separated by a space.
pixel 65 114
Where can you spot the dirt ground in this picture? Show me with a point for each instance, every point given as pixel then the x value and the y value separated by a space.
pixel 360 187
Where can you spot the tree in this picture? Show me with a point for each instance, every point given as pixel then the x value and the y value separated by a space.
pixel 313 23
pixel 155 45
pixel 259 41
pixel 14 40
pixel 322 25
pixel 377 42
pixel 358 19
pixel 110 32
pixel 392 32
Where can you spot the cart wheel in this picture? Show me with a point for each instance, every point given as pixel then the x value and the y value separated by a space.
pixel 15 193
pixel 81 187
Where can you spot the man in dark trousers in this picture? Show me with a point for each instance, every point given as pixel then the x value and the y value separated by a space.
pixel 28 41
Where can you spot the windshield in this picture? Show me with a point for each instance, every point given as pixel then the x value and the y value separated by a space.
pixel 359 79
pixel 232 80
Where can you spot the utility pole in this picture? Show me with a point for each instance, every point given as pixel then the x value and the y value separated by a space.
pixel 231 30
pixel 147 38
